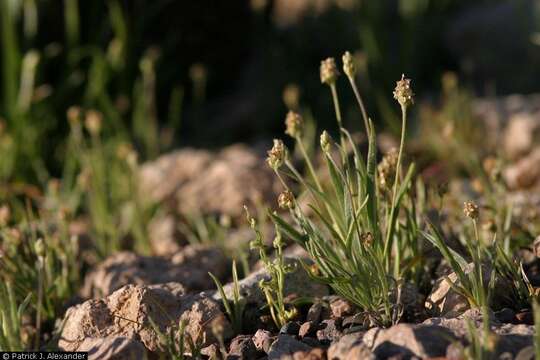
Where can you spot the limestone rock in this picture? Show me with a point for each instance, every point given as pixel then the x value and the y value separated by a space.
pixel 423 341
pixel 161 178
pixel 525 173
pixel 262 340
pixel 163 235
pixel 444 301
pixel 286 345
pixel 519 135
pixel 130 311
pixel 197 180
pixel 242 347
pixel 349 346
pixel 189 267
pixel 112 348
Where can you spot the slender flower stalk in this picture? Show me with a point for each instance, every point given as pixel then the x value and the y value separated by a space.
pixel 337 109
pixel 404 96
pixel 40 252
pixel 329 74
pixel 309 164
pixel 349 68
pixel 294 127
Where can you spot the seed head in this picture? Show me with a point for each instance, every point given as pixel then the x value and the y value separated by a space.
pixel 403 92
pixel 325 141
pixel 294 124
pixel 329 71
pixel 387 169
pixel 277 155
pixel 286 200
pixel 367 239
pixel 349 68
pixel 470 209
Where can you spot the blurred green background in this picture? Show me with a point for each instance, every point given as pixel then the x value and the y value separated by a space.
pixel 164 74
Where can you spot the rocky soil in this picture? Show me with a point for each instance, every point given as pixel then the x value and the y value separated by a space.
pixel 130 298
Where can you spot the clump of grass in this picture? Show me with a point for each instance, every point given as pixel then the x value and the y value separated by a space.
pixel 42 263
pixel 273 288
pixel 490 266
pixel 236 311
pixel 12 336
pixel 177 343
pixel 471 282
pixel 101 178
pixel 363 244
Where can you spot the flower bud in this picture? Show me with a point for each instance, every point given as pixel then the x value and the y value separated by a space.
pixel 277 155
pixel 470 209
pixel 325 141
pixel 329 71
pixel 367 239
pixel 286 200
pixel 294 124
pixel 349 68
pixel 403 92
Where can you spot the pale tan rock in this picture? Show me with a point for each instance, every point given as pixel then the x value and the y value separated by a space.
pixel 189 267
pixel 128 313
pixel 236 177
pixel 444 301
pixel 285 346
pixel 163 235
pixel 161 178
pixel 198 181
pixel 349 346
pixel 519 135
pixel 510 339
pixel 113 348
pixel 525 173
pixel 262 339
pixel 410 340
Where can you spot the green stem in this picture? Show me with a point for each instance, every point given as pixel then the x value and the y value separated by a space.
pixel 337 109
pixel 360 103
pixel 281 179
pixel 309 164
pixel 393 214
pixel 41 261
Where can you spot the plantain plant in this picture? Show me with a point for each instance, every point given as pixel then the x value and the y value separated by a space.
pixel 360 227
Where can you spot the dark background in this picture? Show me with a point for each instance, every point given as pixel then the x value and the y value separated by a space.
pixel 248 52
